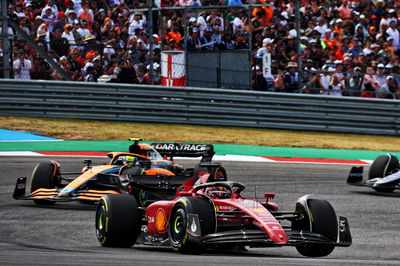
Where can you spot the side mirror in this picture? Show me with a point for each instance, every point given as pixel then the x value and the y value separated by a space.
pixel 88 163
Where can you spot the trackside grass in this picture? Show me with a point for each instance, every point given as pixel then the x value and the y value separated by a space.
pixel 75 129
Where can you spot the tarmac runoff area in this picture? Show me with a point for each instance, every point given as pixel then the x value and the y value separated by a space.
pixel 14 143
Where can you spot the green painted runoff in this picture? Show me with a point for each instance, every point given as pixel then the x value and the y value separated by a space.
pixel 220 149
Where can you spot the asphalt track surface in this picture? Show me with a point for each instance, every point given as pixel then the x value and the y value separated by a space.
pixel 64 234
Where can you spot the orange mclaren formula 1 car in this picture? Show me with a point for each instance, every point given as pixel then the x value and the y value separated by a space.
pixel 49 184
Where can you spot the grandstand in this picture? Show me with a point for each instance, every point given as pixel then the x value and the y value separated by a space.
pixel 329 47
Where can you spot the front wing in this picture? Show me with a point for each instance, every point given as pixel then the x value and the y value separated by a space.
pixel 257 238
pixel 355 178
pixel 52 194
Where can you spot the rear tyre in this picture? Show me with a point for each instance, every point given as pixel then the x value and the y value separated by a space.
pixel 178 224
pixel 134 170
pixel 382 166
pixel 141 197
pixel 320 218
pixel 118 220
pixel 45 175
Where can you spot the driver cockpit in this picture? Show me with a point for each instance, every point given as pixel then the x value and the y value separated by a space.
pixel 218 192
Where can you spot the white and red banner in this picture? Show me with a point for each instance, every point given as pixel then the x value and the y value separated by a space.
pixel 266 65
pixel 173 68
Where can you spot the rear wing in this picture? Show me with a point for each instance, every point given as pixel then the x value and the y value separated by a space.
pixel 206 151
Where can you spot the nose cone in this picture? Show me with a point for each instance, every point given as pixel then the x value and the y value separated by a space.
pixel 277 234
pixel 65 192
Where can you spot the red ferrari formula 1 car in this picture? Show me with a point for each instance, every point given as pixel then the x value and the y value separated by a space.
pixel 208 212
pixel 49 184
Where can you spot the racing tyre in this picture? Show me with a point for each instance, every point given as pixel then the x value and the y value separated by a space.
pixel 183 227
pixel 124 178
pixel 45 175
pixel 383 166
pixel 118 220
pixel 320 218
pixel 135 170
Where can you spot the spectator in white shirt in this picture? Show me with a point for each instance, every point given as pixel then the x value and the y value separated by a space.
pixel 22 66
pixel 52 6
pixel 322 27
pixel 336 86
pixel 83 30
pixel 19 11
pixel 69 35
pixel 201 21
pixel 237 23
pixel 325 79
pixel 136 22
pixel 393 32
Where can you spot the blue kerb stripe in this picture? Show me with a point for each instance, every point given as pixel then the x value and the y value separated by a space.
pixel 9 135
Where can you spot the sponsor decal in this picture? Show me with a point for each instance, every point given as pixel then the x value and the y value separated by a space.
pixel 21 186
pixel 342 226
pixel 165 146
pixel 193 227
pixel 150 219
pixel 250 204
pixel 161 220
pixel 183 147
pixel 193 147
pixel 259 210
pixel 97 170
pixel 225 208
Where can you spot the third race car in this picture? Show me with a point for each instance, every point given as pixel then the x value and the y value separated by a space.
pixel 383 176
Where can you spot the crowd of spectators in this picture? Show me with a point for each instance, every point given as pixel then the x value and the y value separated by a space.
pixel 347 47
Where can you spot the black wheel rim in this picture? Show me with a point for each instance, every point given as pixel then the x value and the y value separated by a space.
pixel 100 222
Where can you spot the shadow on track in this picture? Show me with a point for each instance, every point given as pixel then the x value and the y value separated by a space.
pixel 212 252
pixel 378 194
pixel 61 206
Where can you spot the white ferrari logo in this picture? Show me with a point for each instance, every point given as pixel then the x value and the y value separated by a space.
pixel 193 227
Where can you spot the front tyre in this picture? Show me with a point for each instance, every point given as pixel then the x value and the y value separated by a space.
pixel 181 225
pixel 118 220
pixel 318 216
pixel 45 175
pixel 382 166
